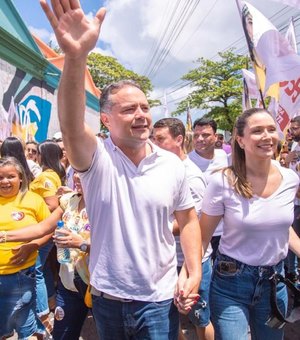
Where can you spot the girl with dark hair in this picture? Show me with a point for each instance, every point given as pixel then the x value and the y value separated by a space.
pixel 255 198
pixel 50 158
pixel 13 147
pixel 53 173
pixel 46 185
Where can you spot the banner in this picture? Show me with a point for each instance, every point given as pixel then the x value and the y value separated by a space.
pixel 291 36
pixel 250 90
pixel 292 3
pixel 269 50
pixel 189 123
pixel 276 63
pixel 166 113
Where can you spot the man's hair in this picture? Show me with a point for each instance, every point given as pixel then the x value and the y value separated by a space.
pixel 31 142
pixel 205 121
pixel 107 91
pixel 296 120
pixel 175 126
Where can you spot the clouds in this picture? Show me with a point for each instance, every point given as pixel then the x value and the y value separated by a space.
pixel 134 30
pixel 44 35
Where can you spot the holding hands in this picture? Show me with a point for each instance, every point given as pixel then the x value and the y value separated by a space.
pixel 186 292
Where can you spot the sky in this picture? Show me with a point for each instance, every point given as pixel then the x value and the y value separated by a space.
pixel 162 39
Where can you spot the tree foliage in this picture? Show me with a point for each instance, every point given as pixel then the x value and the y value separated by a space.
pixel 105 70
pixel 217 86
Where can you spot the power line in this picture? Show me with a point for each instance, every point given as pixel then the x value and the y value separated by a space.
pixel 160 40
pixel 170 36
pixel 162 32
pixel 176 29
pixel 284 12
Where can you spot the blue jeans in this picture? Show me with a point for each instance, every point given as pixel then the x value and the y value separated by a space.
pixel 41 290
pixel 291 260
pixel 18 303
pixel 75 310
pixel 240 296
pixel 200 313
pixel 117 320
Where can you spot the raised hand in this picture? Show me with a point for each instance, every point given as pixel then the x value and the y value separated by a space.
pixel 75 33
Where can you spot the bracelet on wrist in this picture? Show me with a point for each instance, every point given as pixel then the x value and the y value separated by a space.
pixel 3 236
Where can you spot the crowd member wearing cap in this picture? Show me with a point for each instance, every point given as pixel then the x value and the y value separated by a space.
pixel 18 208
pixel 131 192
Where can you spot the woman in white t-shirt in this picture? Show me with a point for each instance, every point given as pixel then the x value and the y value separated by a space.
pixel 255 198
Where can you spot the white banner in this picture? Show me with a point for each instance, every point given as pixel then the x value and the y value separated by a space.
pixel 292 3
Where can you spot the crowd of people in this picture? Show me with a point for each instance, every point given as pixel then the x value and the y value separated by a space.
pixel 157 221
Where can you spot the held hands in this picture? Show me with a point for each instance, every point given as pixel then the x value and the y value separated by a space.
pixel 67 239
pixel 186 292
pixel 75 33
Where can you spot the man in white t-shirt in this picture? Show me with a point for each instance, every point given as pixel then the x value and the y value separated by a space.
pixel 208 159
pixel 293 160
pixel 169 134
pixel 133 190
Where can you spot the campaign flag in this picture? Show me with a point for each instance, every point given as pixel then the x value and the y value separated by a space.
pixel 289 97
pixel 166 106
pixel 4 124
pixel 291 36
pixel 251 83
pixel 189 123
pixel 292 3
pixel 270 51
pixel 250 90
pixel 246 101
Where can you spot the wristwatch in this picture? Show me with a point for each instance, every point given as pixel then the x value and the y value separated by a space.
pixel 84 247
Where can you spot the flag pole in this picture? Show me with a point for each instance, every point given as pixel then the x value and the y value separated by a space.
pixel 252 57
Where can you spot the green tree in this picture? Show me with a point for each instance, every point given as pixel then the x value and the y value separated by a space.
pixel 217 87
pixel 105 70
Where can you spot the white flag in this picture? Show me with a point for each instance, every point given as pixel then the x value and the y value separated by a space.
pixel 250 80
pixel 250 90
pixel 270 49
pixel 292 3
pixel 291 36
pixel 166 113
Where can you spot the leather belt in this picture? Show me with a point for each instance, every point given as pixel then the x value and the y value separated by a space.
pixel 96 292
